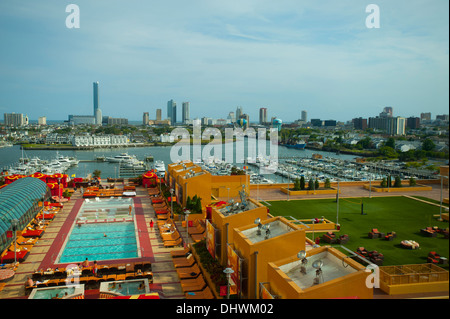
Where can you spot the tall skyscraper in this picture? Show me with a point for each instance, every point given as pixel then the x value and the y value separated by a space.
pixel 172 111
pixel 263 115
pixel 158 114
pixel 185 112
pixel 145 118
pixel 97 111
pixel 239 112
pixel 15 119
pixel 304 116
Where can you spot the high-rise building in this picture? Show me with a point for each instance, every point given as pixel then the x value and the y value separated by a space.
pixel 15 119
pixel 231 118
pixel 239 112
pixel 304 116
pixel 97 111
pixel 413 122
pixel 425 116
pixel 145 118
pixel 359 123
pixel 263 115
pixel 172 111
pixel 391 125
pixel 185 112
pixel 158 114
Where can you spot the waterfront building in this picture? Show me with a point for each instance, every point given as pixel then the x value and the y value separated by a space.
pixel 413 122
pixel 359 123
pixel 100 140
pixel 15 119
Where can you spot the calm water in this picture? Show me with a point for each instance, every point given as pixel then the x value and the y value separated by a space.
pixel 9 156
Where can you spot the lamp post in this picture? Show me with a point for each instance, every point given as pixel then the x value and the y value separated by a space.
pixel 14 223
pixel 228 272
pixel 171 202
pixel 187 226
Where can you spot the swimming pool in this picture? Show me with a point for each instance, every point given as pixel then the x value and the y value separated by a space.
pixel 126 288
pixel 89 241
pixel 111 208
pixel 56 292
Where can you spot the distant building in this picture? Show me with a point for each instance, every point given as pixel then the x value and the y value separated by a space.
pixel 97 110
pixel 263 115
pixel 15 119
pixel 304 116
pixel 100 140
pixel 81 119
pixel 413 122
pixel 391 125
pixel 239 112
pixel 185 112
pixel 425 116
pixel 329 123
pixel 117 121
pixel 42 120
pixel 359 123
pixel 158 114
pixel 145 118
pixel 172 111
pixel 316 122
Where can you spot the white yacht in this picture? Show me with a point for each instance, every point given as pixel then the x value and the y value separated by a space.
pixel 160 168
pixel 120 158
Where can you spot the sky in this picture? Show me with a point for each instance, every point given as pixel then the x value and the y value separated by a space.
pixel 285 55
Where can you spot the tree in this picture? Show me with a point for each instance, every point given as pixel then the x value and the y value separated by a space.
pixel 327 183
pixel 316 184
pixel 383 183
pixel 297 185
pixel 390 142
pixel 311 184
pixel 428 145
pixel 302 182
pixel 398 181
pixel 96 173
pixel 412 181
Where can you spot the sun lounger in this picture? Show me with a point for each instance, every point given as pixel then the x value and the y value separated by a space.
pixel 173 243
pixel 180 253
pixel 202 294
pixel 188 272
pixel 170 236
pixel 198 237
pixel 184 262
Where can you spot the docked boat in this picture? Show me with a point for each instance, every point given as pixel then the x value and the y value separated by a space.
pixel 160 168
pixel 120 158
pixel 300 145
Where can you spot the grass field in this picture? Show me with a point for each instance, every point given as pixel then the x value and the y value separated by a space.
pixel 400 214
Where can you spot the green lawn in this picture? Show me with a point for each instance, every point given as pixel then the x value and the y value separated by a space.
pixel 400 214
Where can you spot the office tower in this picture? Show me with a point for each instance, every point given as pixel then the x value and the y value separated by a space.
pixel 389 111
pixel 263 115
pixel 231 118
pixel 304 116
pixel 158 114
pixel 185 112
pixel 172 111
pixel 15 119
pixel 316 122
pixel 145 118
pixel 239 112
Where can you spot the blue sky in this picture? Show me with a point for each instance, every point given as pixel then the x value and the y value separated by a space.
pixel 286 55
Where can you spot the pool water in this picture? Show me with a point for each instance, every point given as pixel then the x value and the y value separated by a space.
pixel 126 288
pixel 49 293
pixel 89 241
pixel 106 209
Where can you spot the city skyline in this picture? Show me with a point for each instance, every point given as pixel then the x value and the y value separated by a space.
pixel 284 56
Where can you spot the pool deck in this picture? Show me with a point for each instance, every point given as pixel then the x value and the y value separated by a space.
pixel 45 251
